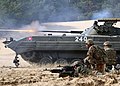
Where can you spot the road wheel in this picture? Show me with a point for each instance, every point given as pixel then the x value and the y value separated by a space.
pixel 45 61
pixel 28 55
pixel 61 62
pixel 75 61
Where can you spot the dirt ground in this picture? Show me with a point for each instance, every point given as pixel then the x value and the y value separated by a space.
pixel 32 75
pixel 37 77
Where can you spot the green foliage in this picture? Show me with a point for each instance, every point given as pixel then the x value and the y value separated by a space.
pixel 18 12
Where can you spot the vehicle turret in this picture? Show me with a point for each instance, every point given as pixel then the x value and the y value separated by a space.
pixel 107 28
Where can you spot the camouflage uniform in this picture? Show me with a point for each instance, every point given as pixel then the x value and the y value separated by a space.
pixel 94 57
pixel 111 54
pixel 77 65
pixel 81 68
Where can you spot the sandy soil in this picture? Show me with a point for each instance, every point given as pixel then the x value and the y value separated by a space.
pixel 31 75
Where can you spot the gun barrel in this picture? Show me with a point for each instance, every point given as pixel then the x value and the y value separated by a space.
pixel 54 70
pixel 109 20
pixel 63 31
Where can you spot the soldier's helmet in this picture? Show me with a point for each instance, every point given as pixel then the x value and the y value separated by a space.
pixel 89 41
pixel 107 43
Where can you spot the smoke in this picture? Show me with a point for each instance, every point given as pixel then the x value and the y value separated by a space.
pixel 32 29
pixel 106 13
pixel 35 25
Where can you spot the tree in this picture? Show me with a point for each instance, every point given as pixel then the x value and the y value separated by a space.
pixel 19 12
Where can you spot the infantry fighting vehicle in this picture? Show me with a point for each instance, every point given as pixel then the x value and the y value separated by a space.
pixel 65 49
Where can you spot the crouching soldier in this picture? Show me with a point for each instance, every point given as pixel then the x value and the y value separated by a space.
pixel 16 61
pixel 95 56
pixel 111 54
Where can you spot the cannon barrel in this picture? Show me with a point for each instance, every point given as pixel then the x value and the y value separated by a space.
pixel 63 31
pixel 109 20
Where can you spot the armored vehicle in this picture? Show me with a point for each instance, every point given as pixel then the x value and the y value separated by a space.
pixel 66 49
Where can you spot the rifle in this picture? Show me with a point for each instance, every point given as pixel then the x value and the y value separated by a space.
pixel 64 71
pixel 54 70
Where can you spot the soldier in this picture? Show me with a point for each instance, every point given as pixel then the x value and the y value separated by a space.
pixel 111 54
pixel 77 67
pixel 81 68
pixel 94 56
pixel 95 24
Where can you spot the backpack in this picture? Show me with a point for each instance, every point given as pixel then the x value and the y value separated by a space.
pixel 101 53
